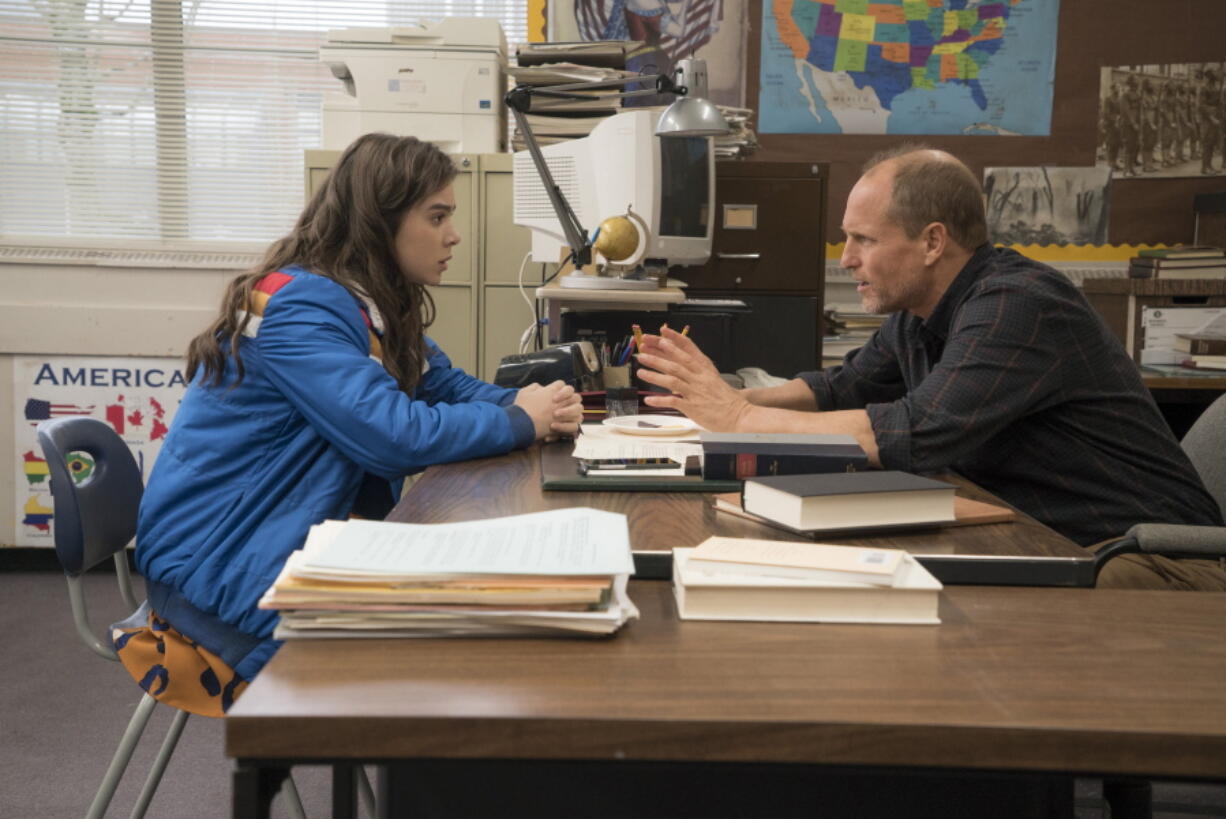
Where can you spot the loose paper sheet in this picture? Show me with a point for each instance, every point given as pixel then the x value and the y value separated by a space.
pixel 602 442
pixel 577 541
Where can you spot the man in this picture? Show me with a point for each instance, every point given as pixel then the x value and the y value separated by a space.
pixel 1207 104
pixel 1130 125
pixel 989 364
pixel 1150 117
pixel 1110 126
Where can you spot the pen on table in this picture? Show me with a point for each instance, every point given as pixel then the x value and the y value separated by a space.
pixel 626 352
pixel 590 467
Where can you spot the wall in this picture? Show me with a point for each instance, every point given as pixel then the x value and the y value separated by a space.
pixel 85 308
pixel 1093 33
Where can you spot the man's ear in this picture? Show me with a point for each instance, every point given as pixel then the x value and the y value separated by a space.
pixel 936 239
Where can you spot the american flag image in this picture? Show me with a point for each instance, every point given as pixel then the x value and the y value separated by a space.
pixel 697 19
pixel 39 410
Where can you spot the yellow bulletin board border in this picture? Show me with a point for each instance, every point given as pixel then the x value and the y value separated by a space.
pixel 1052 253
pixel 538 17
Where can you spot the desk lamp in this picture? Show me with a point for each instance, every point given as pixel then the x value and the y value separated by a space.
pixel 690 115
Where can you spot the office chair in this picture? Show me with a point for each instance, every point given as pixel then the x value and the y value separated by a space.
pixel 1203 444
pixel 95 518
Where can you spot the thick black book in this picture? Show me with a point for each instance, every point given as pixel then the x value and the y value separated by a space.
pixel 741 455
pixel 807 502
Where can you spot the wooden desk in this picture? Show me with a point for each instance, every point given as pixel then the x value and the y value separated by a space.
pixel 1061 682
pixel 510 485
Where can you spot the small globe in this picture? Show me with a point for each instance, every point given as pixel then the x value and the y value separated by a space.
pixel 618 239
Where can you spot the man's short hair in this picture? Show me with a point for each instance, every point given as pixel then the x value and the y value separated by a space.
pixel 934 187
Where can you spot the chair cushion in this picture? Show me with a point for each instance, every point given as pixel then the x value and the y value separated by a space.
pixel 172 668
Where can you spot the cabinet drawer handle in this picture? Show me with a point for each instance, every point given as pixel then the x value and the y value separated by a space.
pixel 739 255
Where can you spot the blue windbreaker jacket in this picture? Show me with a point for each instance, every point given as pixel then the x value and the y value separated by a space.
pixel 246 470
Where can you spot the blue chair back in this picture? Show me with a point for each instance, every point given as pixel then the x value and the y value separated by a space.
pixel 96 518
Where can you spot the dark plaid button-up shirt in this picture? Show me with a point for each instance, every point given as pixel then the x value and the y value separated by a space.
pixel 1015 382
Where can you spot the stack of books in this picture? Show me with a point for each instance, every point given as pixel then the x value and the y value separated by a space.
pixel 1201 351
pixel 1184 262
pixel 560 571
pixel 847 327
pixel 564 63
pixel 744 579
pixel 553 64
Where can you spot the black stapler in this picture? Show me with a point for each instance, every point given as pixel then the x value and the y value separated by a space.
pixel 574 362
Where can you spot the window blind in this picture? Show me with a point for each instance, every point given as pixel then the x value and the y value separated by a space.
pixel 176 121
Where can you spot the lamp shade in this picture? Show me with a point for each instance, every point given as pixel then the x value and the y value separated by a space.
pixel 692 117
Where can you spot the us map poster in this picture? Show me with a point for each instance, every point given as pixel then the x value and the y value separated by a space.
pixel 137 397
pixel 908 66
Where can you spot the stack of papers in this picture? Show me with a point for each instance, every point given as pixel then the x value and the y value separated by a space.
pixel 741 141
pixel 559 571
pixel 848 328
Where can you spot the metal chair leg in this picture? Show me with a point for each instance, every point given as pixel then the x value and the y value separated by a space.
pixel 366 793
pixel 293 802
pixel 159 764
pixel 123 754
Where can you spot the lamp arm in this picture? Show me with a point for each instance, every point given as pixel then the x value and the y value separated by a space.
pixel 519 100
pixel 576 237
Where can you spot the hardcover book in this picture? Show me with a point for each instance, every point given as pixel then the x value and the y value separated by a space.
pixel 1200 344
pixel 738 456
pixel 967 512
pixel 1182 252
pixel 849 500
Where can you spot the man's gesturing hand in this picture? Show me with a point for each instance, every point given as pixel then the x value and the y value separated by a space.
pixel 674 362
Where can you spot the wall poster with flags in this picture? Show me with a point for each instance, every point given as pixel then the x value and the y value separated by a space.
pixel 711 29
pixel 137 397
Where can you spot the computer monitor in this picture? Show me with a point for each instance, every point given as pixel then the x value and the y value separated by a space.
pixel 667 181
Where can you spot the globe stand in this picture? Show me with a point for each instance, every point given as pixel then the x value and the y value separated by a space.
pixel 619 263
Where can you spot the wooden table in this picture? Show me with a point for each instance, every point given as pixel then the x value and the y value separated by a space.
pixel 1016 683
pixel 1018 690
pixel 510 485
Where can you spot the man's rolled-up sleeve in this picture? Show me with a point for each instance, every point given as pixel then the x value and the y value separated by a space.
pixel 867 374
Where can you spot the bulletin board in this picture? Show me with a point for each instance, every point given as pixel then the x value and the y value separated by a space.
pixel 1092 34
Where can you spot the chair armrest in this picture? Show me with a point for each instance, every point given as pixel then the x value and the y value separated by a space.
pixel 1180 539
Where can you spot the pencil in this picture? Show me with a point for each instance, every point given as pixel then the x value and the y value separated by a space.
pixel 685 331
pixel 638 335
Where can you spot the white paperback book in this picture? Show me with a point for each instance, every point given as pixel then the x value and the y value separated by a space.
pixel 913 599
pixel 807 561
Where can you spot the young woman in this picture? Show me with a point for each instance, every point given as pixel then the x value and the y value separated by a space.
pixel 312 394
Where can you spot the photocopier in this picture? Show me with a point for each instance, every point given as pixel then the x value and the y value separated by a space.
pixel 442 82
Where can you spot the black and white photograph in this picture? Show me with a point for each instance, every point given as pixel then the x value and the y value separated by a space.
pixel 1163 120
pixel 1047 206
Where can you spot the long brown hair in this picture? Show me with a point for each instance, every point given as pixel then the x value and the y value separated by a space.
pixel 347 233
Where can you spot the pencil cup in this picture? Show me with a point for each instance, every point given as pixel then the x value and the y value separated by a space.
pixel 617 376
pixel 621 401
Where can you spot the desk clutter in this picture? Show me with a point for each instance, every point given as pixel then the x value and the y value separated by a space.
pixel 562 571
